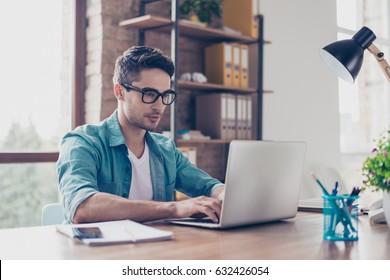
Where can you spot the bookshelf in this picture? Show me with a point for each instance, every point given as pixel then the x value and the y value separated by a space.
pixel 176 28
pixel 216 87
pixel 187 28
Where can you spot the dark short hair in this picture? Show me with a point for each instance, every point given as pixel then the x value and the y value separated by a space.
pixel 129 65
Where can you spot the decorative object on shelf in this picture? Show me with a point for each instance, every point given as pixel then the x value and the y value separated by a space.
pixel 376 170
pixel 345 57
pixel 199 77
pixel 184 134
pixel 186 76
pixel 196 77
pixel 204 10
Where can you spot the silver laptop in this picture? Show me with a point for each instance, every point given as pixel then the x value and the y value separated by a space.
pixel 263 180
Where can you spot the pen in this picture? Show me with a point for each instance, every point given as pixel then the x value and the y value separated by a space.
pixel 334 191
pixel 355 191
pixel 320 184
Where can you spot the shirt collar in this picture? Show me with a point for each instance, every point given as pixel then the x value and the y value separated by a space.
pixel 116 137
pixel 114 130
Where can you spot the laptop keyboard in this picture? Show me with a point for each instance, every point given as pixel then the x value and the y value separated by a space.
pixel 202 221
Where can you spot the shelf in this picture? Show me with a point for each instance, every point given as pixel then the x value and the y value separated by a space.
pixel 186 28
pixel 146 22
pixel 203 141
pixel 215 87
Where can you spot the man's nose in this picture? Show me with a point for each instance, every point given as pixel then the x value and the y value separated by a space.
pixel 158 103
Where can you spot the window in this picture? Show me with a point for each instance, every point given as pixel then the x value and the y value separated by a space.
pixel 31 60
pixel 35 101
pixel 365 105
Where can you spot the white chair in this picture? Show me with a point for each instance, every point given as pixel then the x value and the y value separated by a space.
pixel 52 214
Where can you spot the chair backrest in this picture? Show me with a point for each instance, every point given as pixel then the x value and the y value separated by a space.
pixel 52 214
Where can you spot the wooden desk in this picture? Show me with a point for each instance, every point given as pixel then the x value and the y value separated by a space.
pixel 298 238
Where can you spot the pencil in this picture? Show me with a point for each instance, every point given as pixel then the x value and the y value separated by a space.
pixel 319 183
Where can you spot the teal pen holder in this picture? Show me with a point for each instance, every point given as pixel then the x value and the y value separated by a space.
pixel 340 217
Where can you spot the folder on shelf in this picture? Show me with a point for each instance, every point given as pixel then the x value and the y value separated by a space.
pixel 249 125
pixel 231 117
pixel 241 16
pixel 240 124
pixel 254 116
pixel 236 65
pixel 212 115
pixel 244 66
pixel 244 117
pixel 218 63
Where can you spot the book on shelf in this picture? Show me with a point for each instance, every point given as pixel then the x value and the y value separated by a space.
pixel 192 135
pixel 198 135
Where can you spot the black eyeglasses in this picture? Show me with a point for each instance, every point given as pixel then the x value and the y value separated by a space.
pixel 150 95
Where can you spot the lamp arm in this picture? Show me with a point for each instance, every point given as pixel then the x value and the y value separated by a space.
pixel 381 60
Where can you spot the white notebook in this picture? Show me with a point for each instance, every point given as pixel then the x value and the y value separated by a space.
pixel 311 204
pixel 115 232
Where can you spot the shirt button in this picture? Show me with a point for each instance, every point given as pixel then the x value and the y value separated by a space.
pixel 124 195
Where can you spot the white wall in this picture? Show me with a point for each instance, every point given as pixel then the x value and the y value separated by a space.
pixel 304 105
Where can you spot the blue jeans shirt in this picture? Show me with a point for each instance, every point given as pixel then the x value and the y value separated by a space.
pixel 94 158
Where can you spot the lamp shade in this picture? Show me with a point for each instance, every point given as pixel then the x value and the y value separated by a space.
pixel 345 57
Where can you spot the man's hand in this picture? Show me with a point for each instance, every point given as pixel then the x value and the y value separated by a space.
pixel 201 206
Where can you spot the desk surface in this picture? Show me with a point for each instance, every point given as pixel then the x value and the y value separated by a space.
pixel 298 238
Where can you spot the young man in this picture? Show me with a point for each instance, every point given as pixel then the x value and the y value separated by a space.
pixel 118 169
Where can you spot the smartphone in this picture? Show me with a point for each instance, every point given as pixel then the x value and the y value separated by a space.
pixel 87 232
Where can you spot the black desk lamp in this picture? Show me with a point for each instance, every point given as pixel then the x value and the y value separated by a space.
pixel 345 57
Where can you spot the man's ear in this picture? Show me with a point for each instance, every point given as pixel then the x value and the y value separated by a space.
pixel 118 91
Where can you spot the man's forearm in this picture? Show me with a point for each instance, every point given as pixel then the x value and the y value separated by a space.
pixel 107 207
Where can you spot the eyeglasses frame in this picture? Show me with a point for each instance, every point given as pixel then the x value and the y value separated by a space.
pixel 129 87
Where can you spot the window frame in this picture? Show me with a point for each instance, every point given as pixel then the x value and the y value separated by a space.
pixel 77 94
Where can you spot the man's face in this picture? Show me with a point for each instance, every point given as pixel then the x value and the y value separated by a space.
pixel 139 114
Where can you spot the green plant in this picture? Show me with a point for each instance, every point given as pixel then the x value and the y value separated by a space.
pixel 376 168
pixel 203 9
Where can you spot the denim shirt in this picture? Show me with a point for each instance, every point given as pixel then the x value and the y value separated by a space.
pixel 94 158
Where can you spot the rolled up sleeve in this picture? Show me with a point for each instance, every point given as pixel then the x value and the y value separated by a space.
pixel 77 173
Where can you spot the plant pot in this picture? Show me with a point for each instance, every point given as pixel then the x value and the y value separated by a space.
pixel 386 206
pixel 195 19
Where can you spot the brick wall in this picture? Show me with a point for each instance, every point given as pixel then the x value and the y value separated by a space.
pixel 105 42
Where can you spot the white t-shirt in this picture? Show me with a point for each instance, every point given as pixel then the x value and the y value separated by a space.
pixel 141 182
